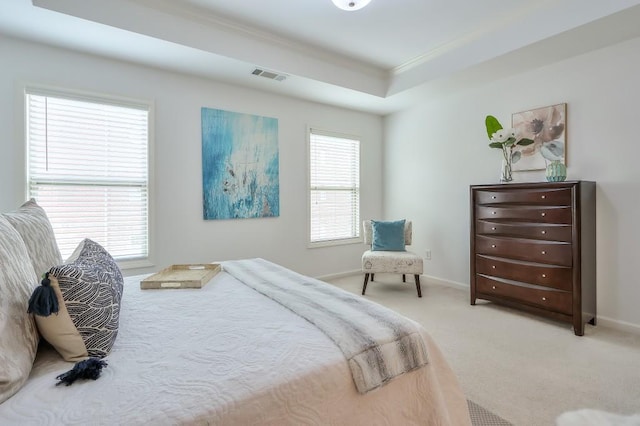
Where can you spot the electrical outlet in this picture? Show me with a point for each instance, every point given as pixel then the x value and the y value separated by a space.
pixel 427 254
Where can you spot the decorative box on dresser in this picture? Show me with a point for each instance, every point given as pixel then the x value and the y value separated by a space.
pixel 533 247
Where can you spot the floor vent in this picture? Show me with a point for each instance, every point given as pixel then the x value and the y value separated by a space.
pixel 269 74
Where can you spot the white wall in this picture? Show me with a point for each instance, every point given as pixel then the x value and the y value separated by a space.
pixel 435 150
pixel 179 232
pixel 432 153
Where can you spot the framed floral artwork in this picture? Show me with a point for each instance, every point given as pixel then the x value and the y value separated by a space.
pixel 547 127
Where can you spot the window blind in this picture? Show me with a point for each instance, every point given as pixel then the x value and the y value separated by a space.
pixel 88 168
pixel 334 167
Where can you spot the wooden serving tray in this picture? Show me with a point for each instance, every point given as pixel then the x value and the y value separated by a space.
pixel 181 276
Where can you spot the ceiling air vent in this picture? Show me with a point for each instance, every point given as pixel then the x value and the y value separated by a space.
pixel 269 74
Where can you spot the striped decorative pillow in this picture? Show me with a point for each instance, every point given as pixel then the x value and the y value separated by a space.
pixel 91 286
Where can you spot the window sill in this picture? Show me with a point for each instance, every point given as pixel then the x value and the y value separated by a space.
pixel 331 243
pixel 134 264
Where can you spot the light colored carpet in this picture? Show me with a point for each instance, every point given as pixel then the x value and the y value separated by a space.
pixel 525 369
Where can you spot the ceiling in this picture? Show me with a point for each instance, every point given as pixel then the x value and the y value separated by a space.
pixel 378 59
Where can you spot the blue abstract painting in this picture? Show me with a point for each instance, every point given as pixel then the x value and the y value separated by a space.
pixel 240 165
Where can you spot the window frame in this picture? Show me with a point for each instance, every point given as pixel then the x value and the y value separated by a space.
pixel 358 238
pixel 27 89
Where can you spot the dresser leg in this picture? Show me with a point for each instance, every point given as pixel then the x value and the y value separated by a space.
pixel 578 329
pixel 593 321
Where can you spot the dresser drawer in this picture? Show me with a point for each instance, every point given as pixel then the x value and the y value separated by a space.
pixel 550 299
pixel 537 214
pixel 540 231
pixel 559 277
pixel 544 196
pixel 550 252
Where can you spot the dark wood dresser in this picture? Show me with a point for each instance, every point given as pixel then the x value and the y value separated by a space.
pixel 533 247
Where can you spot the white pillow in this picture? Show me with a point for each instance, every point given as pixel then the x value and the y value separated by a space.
pixel 33 225
pixel 18 334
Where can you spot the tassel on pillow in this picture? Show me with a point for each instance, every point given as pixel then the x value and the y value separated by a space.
pixel 88 369
pixel 43 300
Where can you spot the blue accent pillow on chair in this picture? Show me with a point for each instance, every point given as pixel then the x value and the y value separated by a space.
pixel 387 236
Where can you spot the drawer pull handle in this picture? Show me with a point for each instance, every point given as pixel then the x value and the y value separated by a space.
pixel 493 212
pixel 544 275
pixel 543 232
pixel 493 266
pixel 493 197
pixel 493 229
pixel 544 298
pixel 493 287
pixel 493 246
pixel 543 252
pixel 543 197
pixel 543 214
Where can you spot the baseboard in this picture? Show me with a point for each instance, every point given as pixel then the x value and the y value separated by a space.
pixel 624 326
pixel 448 283
pixel 339 275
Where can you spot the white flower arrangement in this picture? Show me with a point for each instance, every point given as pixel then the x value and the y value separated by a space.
pixel 505 139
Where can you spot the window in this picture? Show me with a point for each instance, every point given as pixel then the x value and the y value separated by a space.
pixel 88 168
pixel 334 178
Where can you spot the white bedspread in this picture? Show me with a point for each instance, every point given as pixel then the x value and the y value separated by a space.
pixel 378 343
pixel 227 355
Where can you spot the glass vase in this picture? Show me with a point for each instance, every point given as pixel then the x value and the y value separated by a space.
pixel 556 171
pixel 506 171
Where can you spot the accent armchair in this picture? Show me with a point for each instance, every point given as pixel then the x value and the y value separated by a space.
pixel 398 260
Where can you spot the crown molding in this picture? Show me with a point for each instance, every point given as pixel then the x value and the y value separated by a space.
pixel 489 27
pixel 206 17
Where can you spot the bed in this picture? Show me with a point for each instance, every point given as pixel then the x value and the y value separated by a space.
pixel 227 354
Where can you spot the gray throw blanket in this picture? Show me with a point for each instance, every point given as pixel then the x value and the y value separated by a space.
pixel 378 343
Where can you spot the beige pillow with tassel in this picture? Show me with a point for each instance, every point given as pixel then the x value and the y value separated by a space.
pixel 58 329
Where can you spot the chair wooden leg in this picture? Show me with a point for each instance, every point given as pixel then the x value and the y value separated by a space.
pixel 418 285
pixel 366 279
pixel 372 277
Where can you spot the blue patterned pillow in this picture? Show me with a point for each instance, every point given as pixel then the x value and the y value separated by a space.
pixel 91 285
pixel 387 236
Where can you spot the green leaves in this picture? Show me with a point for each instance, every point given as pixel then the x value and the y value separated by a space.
pixel 492 124
pixel 524 142
pixel 510 141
